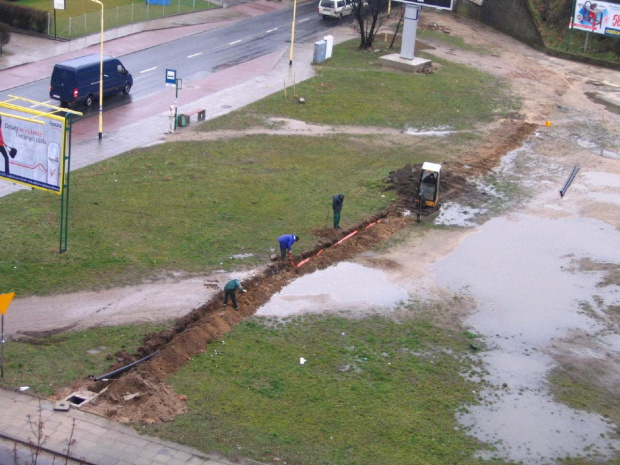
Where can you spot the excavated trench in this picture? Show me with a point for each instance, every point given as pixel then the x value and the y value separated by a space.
pixel 208 323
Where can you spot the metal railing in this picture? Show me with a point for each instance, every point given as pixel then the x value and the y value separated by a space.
pixel 90 23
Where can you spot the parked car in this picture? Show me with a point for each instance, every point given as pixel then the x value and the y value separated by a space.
pixel 76 81
pixel 335 8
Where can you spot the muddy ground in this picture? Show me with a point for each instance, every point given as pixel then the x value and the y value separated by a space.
pixel 568 117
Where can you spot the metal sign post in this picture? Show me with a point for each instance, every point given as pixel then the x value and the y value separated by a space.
pixel 5 301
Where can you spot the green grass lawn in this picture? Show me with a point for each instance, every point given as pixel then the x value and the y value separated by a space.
pixel 373 391
pixel 79 7
pixel 49 363
pixel 83 17
pixel 189 206
pixel 352 89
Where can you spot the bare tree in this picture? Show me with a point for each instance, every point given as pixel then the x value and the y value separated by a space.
pixel 396 31
pixel 37 426
pixel 369 16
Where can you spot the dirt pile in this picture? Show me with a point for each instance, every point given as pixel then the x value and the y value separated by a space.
pixel 156 402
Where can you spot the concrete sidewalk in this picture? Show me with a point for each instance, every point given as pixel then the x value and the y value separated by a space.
pixel 97 440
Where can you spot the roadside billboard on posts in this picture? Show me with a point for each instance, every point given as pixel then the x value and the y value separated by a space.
pixel 597 17
pixel 437 4
pixel 31 151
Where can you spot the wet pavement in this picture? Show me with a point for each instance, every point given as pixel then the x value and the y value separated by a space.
pixel 133 126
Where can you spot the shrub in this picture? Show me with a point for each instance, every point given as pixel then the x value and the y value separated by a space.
pixel 5 36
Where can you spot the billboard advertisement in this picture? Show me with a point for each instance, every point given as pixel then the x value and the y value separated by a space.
pixel 597 17
pixel 31 150
pixel 437 4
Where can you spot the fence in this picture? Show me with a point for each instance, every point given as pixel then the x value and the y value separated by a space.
pixel 90 23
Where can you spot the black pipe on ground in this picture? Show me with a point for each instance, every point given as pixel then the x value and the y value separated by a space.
pixel 570 179
pixel 120 370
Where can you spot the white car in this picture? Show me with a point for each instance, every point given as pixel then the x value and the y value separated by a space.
pixel 335 8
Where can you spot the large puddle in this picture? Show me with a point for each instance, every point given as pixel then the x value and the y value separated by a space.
pixel 523 272
pixel 345 286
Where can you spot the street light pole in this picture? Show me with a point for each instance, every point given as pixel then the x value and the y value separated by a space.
pixel 100 75
pixel 290 61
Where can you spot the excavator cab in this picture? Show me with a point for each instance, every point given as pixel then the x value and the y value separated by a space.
pixel 427 197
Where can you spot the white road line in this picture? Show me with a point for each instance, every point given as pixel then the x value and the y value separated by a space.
pixel 194 55
pixel 271 30
pixel 147 70
pixel 235 42
pixel 303 20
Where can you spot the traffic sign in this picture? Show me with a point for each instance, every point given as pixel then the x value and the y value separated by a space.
pixel 171 77
pixel 5 301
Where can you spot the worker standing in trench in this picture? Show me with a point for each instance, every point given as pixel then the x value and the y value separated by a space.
pixel 337 201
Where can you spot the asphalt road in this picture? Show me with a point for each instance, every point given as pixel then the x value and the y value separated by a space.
pixel 200 55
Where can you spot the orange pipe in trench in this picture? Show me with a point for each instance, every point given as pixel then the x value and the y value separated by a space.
pixel 346 237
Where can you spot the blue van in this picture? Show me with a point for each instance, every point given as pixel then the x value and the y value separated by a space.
pixel 76 81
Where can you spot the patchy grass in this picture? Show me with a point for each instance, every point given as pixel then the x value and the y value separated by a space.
pixel 373 391
pixel 48 363
pixel 189 206
pixel 455 96
pixel 454 41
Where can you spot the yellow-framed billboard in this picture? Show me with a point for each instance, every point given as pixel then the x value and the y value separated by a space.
pixel 32 146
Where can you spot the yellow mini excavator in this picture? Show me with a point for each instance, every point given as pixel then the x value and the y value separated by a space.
pixel 427 196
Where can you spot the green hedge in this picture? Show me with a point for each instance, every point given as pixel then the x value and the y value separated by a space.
pixel 21 17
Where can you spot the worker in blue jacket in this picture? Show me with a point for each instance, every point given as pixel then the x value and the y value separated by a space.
pixel 286 242
pixel 337 201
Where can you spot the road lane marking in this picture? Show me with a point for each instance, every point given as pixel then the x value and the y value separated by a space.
pixel 271 30
pixel 147 70
pixel 194 55
pixel 235 42
pixel 303 20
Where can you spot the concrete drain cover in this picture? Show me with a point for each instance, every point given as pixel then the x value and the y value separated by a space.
pixel 79 398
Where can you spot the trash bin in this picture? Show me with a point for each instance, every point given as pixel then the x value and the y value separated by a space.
pixel 182 121
pixel 320 47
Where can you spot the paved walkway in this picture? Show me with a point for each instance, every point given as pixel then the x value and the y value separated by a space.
pixel 98 440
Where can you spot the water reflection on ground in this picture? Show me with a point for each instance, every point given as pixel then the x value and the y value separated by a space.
pixel 524 273
pixel 344 286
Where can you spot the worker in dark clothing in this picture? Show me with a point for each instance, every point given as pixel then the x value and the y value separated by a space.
pixel 430 179
pixel 229 291
pixel 286 242
pixel 337 201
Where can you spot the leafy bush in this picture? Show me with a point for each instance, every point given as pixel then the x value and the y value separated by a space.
pixel 22 17
pixel 5 35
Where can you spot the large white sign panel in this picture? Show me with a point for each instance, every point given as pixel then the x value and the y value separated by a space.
pixel 59 5
pixel 597 17
pixel 32 153
pixel 437 4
